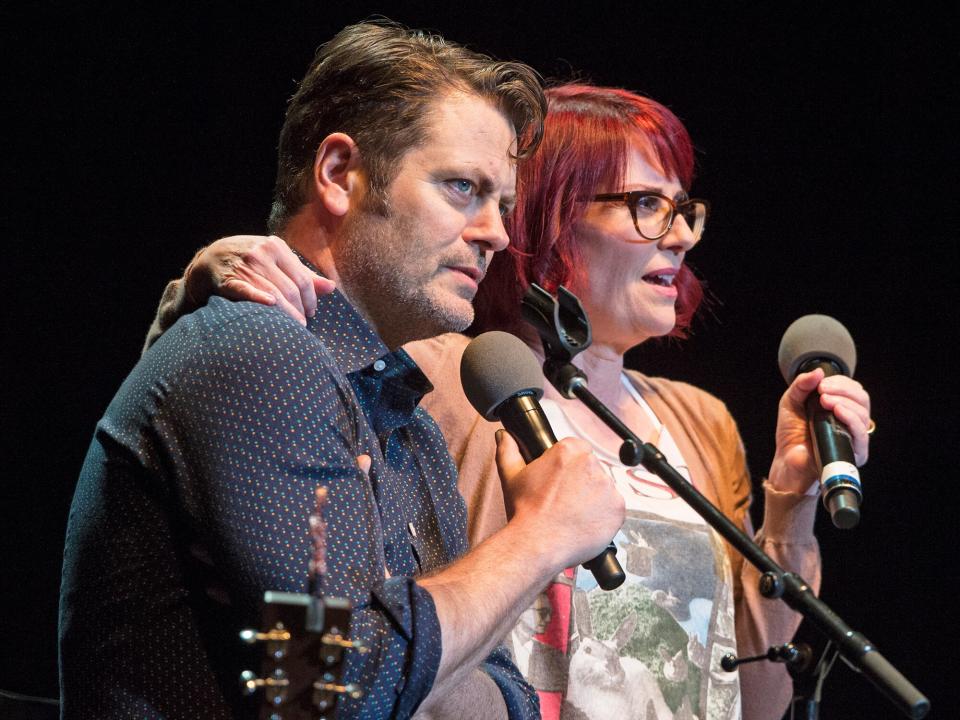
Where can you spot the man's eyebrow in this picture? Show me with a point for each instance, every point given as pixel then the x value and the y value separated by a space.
pixel 485 183
pixel 486 186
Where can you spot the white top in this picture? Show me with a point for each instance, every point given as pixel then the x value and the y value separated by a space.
pixel 651 648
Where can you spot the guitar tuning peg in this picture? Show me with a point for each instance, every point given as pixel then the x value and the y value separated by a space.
pixel 334 644
pixel 277 639
pixel 276 634
pixel 351 690
pixel 277 683
pixel 341 642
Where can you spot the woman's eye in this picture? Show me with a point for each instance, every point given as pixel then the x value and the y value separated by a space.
pixel 650 204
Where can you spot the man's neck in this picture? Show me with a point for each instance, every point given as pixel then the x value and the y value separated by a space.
pixel 316 243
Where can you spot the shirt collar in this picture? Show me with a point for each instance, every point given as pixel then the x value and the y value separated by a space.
pixel 356 346
pixel 395 385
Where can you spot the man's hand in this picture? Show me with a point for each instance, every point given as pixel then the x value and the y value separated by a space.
pixel 564 495
pixel 564 510
pixel 794 466
pixel 256 268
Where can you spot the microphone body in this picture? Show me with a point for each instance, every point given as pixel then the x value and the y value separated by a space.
pixel 522 415
pixel 819 341
pixel 503 381
pixel 833 449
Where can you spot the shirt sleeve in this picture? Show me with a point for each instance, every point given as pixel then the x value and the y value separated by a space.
pixel 258 418
pixel 518 695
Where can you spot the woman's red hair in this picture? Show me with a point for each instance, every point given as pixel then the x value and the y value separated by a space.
pixel 587 132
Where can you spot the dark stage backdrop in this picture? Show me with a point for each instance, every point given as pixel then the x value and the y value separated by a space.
pixel 826 143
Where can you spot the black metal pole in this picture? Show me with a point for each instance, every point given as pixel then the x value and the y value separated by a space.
pixel 790 587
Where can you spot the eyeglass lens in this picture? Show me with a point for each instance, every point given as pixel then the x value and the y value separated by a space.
pixel 695 214
pixel 654 214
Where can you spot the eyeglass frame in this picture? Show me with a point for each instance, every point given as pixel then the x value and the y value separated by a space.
pixel 632 199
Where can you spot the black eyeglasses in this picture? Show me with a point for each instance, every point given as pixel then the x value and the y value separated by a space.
pixel 653 213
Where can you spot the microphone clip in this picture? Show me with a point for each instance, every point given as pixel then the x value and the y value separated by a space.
pixel 564 330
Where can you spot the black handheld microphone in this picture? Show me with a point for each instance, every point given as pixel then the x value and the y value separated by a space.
pixel 819 341
pixel 503 381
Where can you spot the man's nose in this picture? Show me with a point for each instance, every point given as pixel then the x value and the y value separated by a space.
pixel 487 229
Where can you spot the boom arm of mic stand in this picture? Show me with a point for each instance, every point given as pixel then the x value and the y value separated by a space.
pixel 857 650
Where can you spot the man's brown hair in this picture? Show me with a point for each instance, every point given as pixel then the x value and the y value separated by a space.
pixel 374 81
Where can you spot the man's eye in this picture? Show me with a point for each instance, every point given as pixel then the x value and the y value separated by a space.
pixel 464 187
pixel 505 211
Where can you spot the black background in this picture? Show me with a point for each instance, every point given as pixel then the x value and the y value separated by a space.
pixel 826 144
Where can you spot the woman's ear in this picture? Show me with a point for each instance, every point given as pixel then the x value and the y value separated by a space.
pixel 336 173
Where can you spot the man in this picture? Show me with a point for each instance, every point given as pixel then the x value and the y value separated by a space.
pixel 396 162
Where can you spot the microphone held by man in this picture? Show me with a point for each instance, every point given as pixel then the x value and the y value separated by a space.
pixel 503 381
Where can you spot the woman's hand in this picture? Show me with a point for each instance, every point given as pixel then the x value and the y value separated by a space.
pixel 256 268
pixel 794 467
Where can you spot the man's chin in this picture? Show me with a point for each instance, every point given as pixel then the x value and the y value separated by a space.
pixel 454 315
pixel 455 322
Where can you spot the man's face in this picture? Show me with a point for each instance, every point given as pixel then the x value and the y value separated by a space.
pixel 413 269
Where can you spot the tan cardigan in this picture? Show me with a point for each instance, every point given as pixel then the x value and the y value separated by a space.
pixel 711 446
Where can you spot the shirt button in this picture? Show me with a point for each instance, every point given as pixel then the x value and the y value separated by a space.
pixel 379 365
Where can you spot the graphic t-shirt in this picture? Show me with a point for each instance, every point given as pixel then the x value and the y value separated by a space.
pixel 651 648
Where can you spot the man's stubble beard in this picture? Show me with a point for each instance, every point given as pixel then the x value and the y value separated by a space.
pixel 383 273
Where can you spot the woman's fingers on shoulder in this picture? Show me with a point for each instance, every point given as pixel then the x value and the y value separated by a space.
pixel 323 286
pixel 264 269
pixel 309 284
pixel 235 288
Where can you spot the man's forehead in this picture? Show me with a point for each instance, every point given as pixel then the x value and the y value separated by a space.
pixel 466 121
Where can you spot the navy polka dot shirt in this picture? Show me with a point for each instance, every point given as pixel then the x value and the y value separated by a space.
pixel 194 499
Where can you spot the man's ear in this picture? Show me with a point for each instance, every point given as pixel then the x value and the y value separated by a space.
pixel 337 173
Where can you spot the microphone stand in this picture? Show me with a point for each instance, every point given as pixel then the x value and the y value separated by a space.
pixel 565 331
pixel 808 685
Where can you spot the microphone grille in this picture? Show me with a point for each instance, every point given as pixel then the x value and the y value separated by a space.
pixel 816 336
pixel 495 366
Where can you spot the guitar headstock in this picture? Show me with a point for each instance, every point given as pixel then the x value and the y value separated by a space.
pixel 305 638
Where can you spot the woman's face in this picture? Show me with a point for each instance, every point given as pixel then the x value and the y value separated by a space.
pixel 630 295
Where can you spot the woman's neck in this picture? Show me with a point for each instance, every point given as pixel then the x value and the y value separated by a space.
pixel 603 367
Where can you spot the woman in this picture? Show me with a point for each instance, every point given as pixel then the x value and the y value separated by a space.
pixel 603 210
